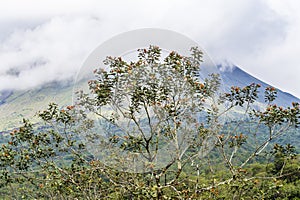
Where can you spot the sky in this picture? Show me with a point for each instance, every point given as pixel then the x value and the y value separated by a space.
pixel 44 41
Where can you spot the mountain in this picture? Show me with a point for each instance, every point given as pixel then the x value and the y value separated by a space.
pixel 4 95
pixel 235 76
pixel 15 105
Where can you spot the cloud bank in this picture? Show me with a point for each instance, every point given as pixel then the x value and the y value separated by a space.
pixel 52 41
pixel 52 51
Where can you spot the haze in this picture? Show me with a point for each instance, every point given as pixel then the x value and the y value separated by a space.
pixel 44 41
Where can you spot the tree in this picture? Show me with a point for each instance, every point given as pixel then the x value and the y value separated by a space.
pixel 143 132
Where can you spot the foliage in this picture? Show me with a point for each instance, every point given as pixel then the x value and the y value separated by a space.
pixel 142 107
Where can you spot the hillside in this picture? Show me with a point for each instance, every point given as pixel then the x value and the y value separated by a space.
pixel 237 77
pixel 15 105
pixel 59 161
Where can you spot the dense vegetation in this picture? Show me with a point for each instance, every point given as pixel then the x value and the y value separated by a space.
pixel 141 108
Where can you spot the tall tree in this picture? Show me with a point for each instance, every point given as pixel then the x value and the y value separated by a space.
pixel 144 131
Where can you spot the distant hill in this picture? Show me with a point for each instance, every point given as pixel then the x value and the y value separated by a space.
pixel 235 76
pixel 15 105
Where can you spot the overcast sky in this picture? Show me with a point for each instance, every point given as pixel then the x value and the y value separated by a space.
pixel 42 41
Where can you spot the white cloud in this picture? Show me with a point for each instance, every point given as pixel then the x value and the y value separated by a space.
pixel 260 36
pixel 52 51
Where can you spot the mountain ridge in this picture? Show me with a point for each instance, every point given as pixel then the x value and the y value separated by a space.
pixel 238 77
pixel 15 105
